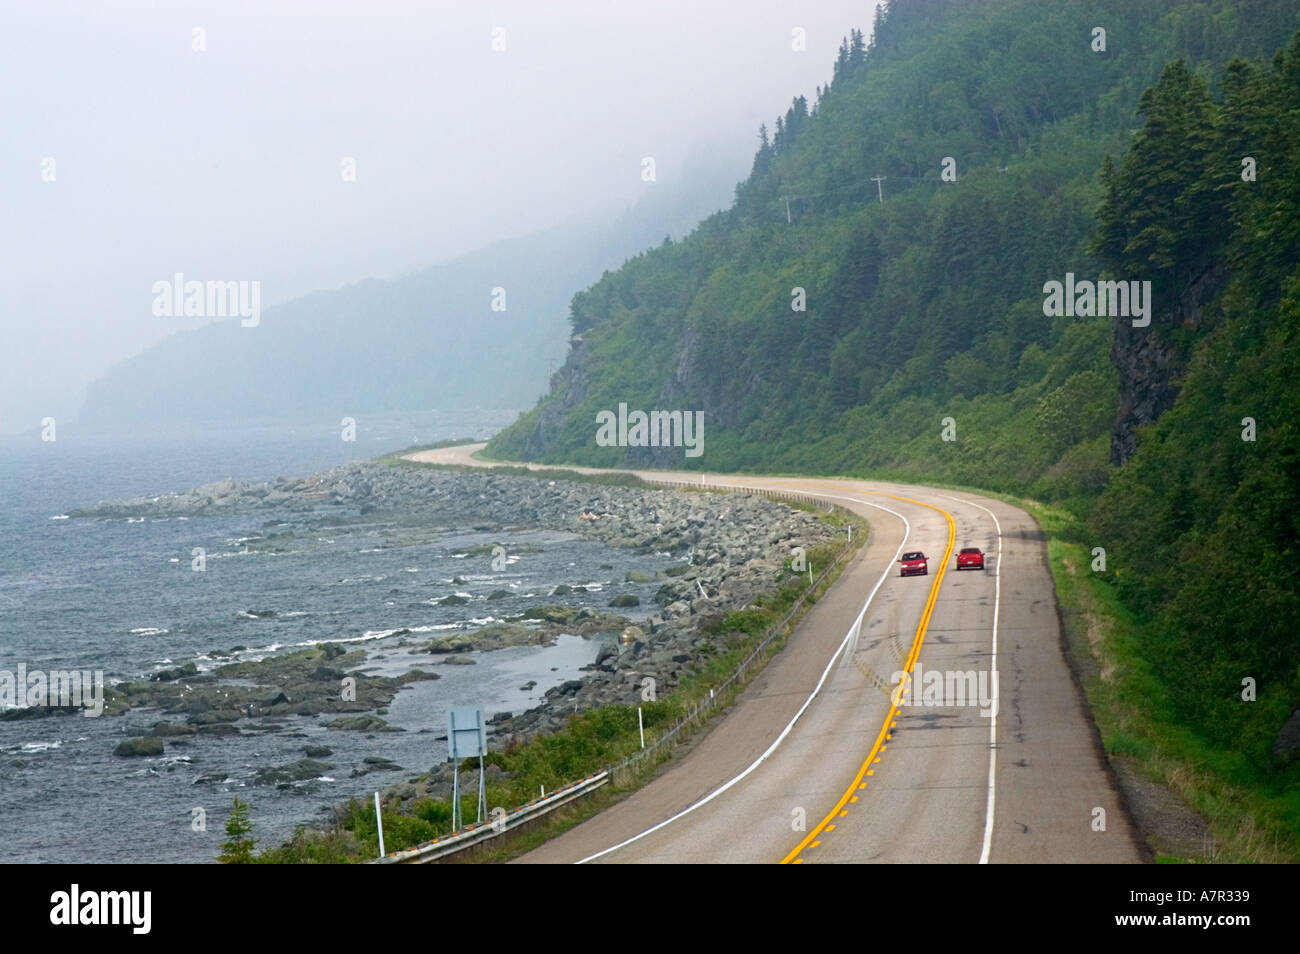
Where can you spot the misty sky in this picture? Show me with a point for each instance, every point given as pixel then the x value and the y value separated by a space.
pixel 225 164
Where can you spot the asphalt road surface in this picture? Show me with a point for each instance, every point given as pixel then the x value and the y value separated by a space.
pixel 817 763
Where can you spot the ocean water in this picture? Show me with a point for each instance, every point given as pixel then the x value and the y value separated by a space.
pixel 119 595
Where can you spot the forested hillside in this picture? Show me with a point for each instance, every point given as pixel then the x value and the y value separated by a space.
pixel 1203 517
pixel 1117 163
pixel 925 305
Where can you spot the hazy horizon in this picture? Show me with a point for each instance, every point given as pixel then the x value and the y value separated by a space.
pixel 227 162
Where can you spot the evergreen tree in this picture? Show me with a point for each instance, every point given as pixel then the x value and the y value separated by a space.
pixel 1162 218
pixel 857 51
pixel 238 850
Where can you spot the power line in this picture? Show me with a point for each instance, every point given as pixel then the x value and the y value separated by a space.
pixel 852 187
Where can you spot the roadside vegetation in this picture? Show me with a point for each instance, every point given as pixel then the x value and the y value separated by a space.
pixel 1250 803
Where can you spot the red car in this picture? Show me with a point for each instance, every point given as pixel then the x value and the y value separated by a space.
pixel 913 564
pixel 970 558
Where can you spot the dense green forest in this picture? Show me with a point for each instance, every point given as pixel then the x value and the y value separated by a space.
pixel 924 297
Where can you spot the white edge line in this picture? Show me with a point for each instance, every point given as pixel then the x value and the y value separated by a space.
pixel 807 702
pixel 993 723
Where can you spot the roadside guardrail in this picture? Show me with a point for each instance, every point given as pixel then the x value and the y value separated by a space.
pixel 480 832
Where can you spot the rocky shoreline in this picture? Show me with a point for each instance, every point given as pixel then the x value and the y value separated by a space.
pixel 732 548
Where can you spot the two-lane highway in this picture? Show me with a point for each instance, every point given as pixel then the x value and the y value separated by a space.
pixel 816 763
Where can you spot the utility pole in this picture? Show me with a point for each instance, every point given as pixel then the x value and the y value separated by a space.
pixel 787 210
pixel 880 192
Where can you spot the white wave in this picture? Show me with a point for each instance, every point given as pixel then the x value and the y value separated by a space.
pixel 256 654
pixel 40 746
pixel 149 631
pixel 372 634
pixel 367 636
pixel 60 516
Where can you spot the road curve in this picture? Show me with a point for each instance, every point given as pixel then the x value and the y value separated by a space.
pixel 815 763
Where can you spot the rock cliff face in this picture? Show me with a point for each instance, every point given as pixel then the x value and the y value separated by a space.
pixel 688 385
pixel 1151 360
pixel 568 389
pixel 1146 368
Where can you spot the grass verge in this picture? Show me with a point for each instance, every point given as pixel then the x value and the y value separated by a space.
pixel 1249 816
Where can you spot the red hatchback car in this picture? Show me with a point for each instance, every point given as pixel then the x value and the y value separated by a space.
pixel 970 558
pixel 914 564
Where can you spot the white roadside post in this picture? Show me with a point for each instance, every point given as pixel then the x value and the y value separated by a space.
pixel 640 725
pixel 482 793
pixel 379 822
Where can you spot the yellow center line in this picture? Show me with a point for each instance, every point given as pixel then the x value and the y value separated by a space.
pixel 872 757
pixel 878 746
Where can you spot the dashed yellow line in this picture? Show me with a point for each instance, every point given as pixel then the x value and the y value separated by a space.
pixel 879 746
